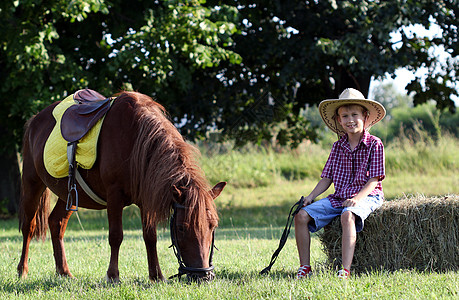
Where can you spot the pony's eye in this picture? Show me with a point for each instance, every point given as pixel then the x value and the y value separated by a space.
pixel 213 224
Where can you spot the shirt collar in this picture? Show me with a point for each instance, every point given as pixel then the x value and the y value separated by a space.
pixel 366 138
pixel 344 141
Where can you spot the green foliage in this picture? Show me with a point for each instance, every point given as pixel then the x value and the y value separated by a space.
pixel 35 69
pixel 3 206
pixel 303 52
pixel 243 67
pixel 55 48
pixel 176 39
pixel 418 123
pixel 390 98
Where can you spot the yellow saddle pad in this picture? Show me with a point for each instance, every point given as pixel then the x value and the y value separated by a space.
pixel 55 153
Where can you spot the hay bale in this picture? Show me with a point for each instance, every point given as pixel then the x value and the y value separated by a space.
pixel 409 233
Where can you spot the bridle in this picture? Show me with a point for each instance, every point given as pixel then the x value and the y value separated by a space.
pixel 183 269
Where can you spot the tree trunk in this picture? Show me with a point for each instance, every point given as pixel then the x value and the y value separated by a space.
pixel 10 176
pixel 349 80
pixel 10 180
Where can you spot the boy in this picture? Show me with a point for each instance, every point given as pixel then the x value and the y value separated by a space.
pixel 355 167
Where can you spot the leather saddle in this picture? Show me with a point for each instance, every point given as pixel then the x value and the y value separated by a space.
pixel 78 119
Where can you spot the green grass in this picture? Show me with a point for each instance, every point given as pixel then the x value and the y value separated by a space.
pixel 263 167
pixel 263 184
pixel 243 253
pixel 425 166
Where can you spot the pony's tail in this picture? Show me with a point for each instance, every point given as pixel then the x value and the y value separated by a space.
pixel 34 215
pixel 39 223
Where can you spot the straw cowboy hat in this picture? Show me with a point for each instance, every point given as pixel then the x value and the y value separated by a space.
pixel 328 108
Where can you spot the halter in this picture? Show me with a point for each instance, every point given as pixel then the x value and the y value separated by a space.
pixel 183 269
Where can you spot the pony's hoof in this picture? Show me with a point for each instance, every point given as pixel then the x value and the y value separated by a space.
pixel 22 271
pixel 69 276
pixel 114 280
pixel 158 279
pixel 65 275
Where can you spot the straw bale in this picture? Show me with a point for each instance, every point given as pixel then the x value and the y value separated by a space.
pixel 412 232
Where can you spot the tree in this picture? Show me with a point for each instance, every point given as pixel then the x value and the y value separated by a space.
pixel 306 51
pixel 388 95
pixel 52 48
pixel 246 68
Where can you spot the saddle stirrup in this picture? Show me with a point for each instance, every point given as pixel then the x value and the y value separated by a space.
pixel 71 150
pixel 75 175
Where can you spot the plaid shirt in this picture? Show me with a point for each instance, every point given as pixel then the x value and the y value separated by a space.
pixel 351 170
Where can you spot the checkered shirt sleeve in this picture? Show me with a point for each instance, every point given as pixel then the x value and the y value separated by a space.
pixel 332 158
pixel 377 162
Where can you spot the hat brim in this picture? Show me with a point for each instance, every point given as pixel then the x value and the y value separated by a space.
pixel 327 109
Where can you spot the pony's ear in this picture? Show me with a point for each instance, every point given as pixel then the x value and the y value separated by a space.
pixel 217 189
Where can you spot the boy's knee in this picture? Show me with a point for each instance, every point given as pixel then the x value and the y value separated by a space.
pixel 302 217
pixel 347 217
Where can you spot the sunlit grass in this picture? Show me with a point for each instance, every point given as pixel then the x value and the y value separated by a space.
pixel 257 167
pixel 243 253
pixel 262 186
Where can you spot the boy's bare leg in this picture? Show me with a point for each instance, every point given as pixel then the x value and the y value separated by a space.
pixel 349 238
pixel 302 236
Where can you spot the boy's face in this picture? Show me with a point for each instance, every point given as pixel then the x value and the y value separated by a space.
pixel 352 119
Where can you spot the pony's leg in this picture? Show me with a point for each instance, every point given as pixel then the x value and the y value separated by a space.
pixel 57 224
pixel 115 238
pixel 33 212
pixel 149 236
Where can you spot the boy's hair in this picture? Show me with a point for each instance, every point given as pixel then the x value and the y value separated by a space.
pixel 364 109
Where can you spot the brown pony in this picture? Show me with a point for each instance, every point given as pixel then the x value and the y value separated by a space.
pixel 142 160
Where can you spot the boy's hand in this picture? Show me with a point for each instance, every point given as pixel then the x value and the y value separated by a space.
pixel 307 201
pixel 364 192
pixel 350 202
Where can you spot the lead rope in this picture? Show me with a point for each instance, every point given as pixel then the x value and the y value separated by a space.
pixel 283 240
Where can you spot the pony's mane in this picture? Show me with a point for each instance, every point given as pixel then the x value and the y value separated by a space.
pixel 160 161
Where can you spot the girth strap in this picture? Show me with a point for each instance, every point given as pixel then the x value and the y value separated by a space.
pixel 88 190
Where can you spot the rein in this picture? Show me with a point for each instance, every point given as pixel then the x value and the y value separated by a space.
pixel 285 234
pixel 183 269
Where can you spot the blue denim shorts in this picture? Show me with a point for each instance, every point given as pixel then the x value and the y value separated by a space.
pixel 322 212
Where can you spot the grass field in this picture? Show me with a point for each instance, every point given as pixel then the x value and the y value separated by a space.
pixel 262 185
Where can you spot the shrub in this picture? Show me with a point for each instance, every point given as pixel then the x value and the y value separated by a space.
pixel 409 121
